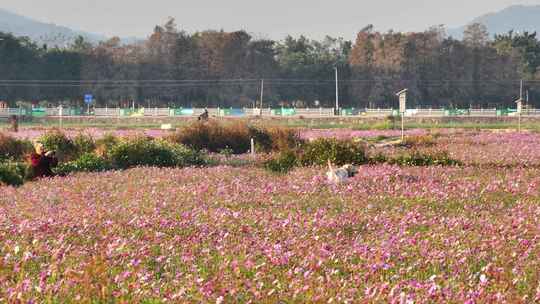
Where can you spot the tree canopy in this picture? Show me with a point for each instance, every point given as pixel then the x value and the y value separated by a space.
pixel 217 68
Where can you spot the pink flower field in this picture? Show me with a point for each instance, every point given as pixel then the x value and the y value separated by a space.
pixel 467 234
pixel 33 133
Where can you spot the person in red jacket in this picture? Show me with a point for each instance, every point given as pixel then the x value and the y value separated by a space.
pixel 41 163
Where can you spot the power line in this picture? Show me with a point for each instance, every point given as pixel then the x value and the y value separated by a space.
pixel 240 80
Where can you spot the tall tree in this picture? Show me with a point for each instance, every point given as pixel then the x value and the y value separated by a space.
pixel 476 35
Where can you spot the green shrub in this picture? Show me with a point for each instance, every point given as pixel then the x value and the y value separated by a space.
pixel 262 138
pixel 226 152
pixel 416 158
pixel 184 156
pixel 419 141
pixel 141 151
pixel 13 149
pixel 318 152
pixel 87 162
pixel 56 140
pixel 376 139
pixel 283 163
pixel 105 144
pixel 378 158
pixel 339 152
pixel 12 173
pixel 84 144
pixel 389 122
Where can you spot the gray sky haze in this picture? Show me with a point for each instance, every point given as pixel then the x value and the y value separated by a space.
pixel 270 18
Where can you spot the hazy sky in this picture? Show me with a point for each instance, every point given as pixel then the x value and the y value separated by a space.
pixel 268 18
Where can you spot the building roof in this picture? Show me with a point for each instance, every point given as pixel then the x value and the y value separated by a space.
pixel 401 92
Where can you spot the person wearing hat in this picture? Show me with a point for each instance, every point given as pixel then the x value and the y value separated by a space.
pixel 41 162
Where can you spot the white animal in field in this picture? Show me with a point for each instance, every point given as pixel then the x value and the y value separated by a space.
pixel 340 175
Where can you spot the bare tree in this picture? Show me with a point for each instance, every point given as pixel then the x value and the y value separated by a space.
pixel 476 35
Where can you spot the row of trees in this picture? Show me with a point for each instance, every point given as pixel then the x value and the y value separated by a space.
pixel 214 68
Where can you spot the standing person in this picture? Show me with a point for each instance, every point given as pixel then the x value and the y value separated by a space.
pixel 204 116
pixel 41 163
pixel 14 123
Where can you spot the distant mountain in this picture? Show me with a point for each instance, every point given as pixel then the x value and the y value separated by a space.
pixel 40 32
pixel 518 18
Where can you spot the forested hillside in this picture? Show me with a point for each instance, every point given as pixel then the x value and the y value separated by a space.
pixel 211 68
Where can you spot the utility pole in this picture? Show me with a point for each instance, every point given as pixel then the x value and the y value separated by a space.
pixel 262 93
pixel 61 112
pixel 527 100
pixel 337 91
pixel 402 126
pixel 520 104
pixel 519 117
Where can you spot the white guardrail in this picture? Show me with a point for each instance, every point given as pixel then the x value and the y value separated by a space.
pixel 247 112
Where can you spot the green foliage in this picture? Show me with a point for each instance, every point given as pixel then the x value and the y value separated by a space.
pixel 87 162
pixel 111 153
pixel 380 138
pixel 12 173
pixel 184 156
pixel 65 147
pixel 378 158
pixel 318 152
pixel 425 55
pixel 105 144
pixel 525 44
pixel 416 158
pixel 419 141
pixel 84 144
pixel 142 151
pixel 56 140
pixel 227 152
pixel 339 152
pixel 283 163
pixel 13 149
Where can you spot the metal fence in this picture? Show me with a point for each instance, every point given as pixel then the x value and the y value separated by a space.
pixel 249 112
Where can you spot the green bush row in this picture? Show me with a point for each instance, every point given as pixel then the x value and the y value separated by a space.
pixel 211 136
pixel 88 162
pixel 416 158
pixel 12 173
pixel 107 154
pixel 67 148
pixel 143 151
pixel 341 152
pixel 134 152
pixel 319 152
